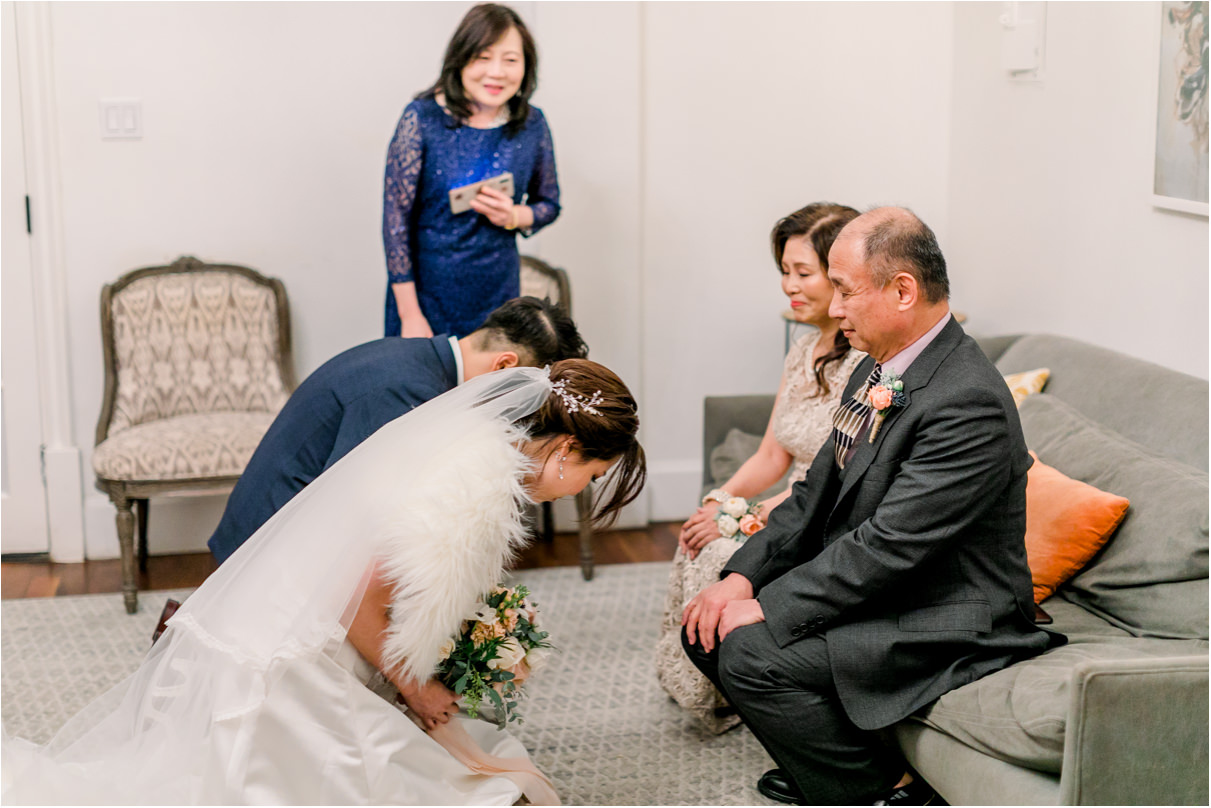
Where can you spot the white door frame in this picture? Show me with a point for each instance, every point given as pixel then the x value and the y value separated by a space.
pixel 23 501
pixel 39 108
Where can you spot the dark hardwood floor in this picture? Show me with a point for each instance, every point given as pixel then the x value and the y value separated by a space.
pixel 40 579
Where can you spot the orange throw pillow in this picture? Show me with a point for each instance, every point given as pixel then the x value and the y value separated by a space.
pixel 1067 522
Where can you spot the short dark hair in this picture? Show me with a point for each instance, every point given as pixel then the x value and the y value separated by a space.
pixel 539 331
pixel 482 27
pixel 902 243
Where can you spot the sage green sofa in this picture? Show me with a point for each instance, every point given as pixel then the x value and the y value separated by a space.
pixel 1119 715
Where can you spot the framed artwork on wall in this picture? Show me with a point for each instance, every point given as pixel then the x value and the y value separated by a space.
pixel 1179 176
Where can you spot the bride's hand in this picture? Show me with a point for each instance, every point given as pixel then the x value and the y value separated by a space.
pixel 433 702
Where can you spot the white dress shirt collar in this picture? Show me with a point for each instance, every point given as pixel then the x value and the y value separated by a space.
pixel 458 359
pixel 900 362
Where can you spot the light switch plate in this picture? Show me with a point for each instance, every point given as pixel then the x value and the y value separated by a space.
pixel 1020 47
pixel 121 118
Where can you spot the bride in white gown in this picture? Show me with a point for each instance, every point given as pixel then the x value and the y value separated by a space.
pixel 257 692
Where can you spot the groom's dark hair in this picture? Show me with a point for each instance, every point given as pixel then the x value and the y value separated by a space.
pixel 539 331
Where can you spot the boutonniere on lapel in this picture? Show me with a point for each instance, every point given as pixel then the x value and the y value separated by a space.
pixel 888 393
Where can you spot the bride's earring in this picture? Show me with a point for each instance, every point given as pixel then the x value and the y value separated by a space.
pixel 565 457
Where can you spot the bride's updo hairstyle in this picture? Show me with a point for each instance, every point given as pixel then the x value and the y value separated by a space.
pixel 592 404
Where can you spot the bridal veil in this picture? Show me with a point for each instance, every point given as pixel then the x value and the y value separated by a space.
pixel 284 601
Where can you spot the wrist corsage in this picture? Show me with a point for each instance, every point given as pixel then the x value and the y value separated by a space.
pixel 888 393
pixel 737 518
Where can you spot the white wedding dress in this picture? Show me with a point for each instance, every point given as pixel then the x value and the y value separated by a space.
pixel 254 696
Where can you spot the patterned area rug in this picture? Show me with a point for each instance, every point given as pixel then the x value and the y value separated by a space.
pixel 595 719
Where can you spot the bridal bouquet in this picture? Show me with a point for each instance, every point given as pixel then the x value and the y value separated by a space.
pixel 497 648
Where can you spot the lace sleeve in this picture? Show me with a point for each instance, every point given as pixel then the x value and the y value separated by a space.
pixel 543 193
pixel 404 159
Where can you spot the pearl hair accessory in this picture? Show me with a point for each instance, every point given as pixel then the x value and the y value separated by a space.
pixel 575 402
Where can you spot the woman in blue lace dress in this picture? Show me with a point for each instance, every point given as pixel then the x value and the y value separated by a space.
pixel 446 272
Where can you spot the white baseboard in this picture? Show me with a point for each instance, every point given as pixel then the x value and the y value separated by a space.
pixel 64 510
pixel 567 520
pixel 674 488
pixel 180 524
pixel 671 495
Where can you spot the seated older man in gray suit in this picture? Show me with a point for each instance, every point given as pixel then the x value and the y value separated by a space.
pixel 353 394
pixel 896 571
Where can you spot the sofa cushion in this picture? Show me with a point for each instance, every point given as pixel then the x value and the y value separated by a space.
pixel 1139 400
pixel 1026 383
pixel 729 456
pixel 1018 714
pixel 1067 522
pixel 1151 578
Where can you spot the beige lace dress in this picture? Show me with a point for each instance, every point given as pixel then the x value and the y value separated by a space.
pixel 801 423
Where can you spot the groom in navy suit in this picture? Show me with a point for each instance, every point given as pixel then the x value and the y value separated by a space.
pixel 896 570
pixel 356 392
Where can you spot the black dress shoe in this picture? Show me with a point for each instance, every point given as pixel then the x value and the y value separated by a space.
pixel 170 608
pixel 918 792
pixel 777 785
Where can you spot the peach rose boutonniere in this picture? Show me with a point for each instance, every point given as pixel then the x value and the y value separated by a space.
pixel 885 395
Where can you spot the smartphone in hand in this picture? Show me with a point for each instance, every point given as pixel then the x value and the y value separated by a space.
pixel 460 198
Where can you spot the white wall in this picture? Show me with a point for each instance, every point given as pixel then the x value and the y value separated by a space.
pixel 752 110
pixel 265 131
pixel 588 89
pixel 682 131
pixel 1051 223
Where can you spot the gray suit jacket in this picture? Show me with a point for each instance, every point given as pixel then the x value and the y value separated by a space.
pixel 911 562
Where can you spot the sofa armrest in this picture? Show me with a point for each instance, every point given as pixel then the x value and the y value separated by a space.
pixel 722 413
pixel 993 347
pixel 1137 733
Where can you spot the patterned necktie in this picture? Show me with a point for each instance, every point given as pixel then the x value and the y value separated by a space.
pixel 851 415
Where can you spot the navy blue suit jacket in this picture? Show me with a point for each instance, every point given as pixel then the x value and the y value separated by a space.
pixel 337 407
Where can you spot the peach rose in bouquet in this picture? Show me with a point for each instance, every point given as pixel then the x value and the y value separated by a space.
pixel 494 653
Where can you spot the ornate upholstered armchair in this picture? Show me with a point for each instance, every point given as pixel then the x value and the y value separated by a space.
pixel 540 279
pixel 197 364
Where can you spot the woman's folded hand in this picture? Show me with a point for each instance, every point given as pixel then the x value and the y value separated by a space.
pixel 699 530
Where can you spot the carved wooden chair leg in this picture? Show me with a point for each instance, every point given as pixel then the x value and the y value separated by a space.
pixel 126 542
pixel 584 509
pixel 548 523
pixel 143 506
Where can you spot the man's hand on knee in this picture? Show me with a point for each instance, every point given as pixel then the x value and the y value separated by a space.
pixel 739 613
pixel 702 614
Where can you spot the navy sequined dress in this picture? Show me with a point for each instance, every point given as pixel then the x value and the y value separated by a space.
pixel 463 265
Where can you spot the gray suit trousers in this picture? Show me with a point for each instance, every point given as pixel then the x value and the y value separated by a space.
pixel 786 696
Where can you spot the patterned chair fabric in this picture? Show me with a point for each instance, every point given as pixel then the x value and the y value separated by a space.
pixel 197 364
pixel 184 447
pixel 194 342
pixel 540 279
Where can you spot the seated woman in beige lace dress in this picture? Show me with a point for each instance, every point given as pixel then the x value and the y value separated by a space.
pixel 814 374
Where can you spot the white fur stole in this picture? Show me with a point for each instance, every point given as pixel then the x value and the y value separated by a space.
pixel 448 541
